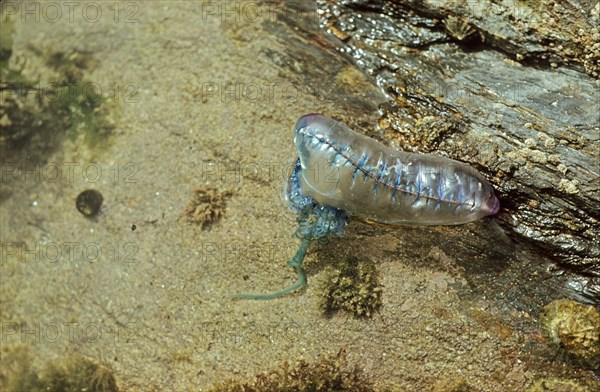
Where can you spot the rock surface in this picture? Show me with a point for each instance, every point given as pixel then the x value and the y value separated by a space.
pixel 507 87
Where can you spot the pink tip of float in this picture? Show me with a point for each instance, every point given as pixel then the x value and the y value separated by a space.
pixel 494 206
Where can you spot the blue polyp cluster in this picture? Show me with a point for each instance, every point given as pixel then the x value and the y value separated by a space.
pixel 315 222
pixel 321 222
pixel 297 201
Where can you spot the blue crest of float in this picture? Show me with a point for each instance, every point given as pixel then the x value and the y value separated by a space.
pixel 344 169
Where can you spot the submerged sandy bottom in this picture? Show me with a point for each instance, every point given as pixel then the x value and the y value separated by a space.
pixel 155 305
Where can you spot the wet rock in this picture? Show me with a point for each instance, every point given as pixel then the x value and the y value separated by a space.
pixel 455 89
pixel 464 80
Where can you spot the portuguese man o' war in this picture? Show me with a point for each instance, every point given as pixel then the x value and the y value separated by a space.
pixel 340 172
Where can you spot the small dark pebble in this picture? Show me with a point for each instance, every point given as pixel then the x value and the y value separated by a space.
pixel 133 227
pixel 89 202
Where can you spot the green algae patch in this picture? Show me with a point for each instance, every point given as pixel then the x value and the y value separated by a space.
pixel 72 374
pixel 39 113
pixel 352 287
pixel 89 114
pixel 328 374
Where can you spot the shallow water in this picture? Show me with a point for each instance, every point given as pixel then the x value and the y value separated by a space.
pixel 203 98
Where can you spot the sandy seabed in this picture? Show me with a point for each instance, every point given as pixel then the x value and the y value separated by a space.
pixel 203 106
